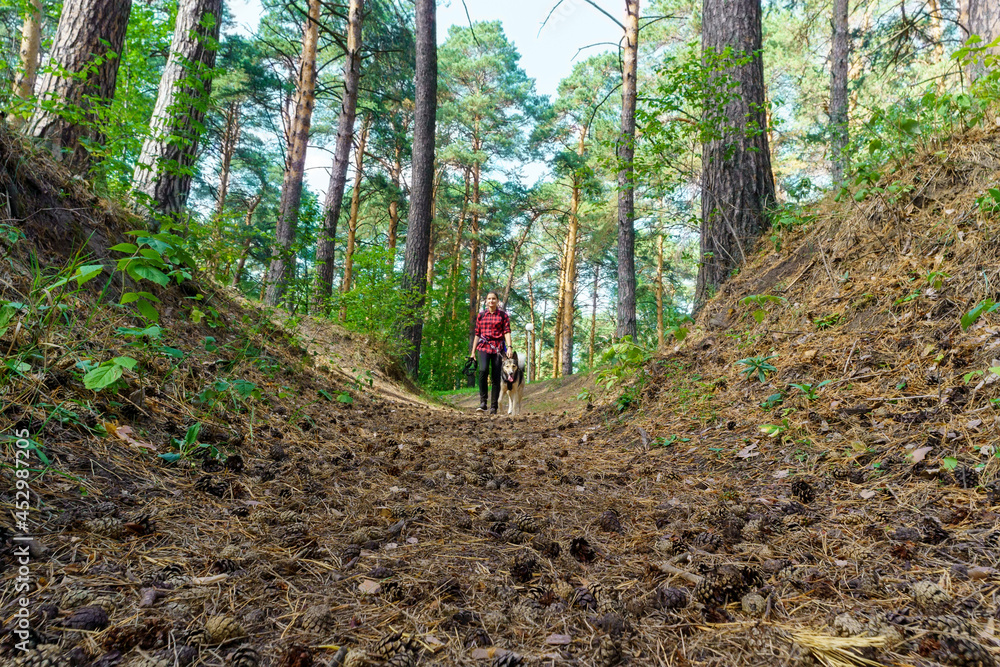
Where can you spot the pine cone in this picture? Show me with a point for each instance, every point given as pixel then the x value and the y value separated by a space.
pixel 581 550
pixel 514 536
pixel 150 661
pixel 667 599
pixel 75 597
pixel 45 655
pixel 390 645
pixel 507 659
pixel 707 541
pixel 545 546
pixel 402 659
pixel 220 629
pixel 318 618
pixel 994 491
pixel 932 530
pixel 607 601
pixel 966 477
pixel 803 490
pixel 107 526
pixel 526 523
pixel 840 472
pixel 87 618
pixel 206 484
pixel 609 522
pixel 928 595
pixel 963 652
pixel 224 565
pixel 583 598
pixel 609 653
pixel 523 567
pixel 244 656
pixel 846 625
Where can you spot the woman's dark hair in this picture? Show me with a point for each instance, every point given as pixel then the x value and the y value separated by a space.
pixel 494 293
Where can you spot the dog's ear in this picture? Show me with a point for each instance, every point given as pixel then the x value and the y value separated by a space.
pixel 513 355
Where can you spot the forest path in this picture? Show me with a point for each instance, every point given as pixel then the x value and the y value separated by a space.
pixel 556 395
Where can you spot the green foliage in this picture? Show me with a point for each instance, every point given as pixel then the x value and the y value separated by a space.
pixel 621 361
pixel 984 307
pixel 668 441
pixel 758 366
pixel 107 373
pixel 811 391
pixel 760 300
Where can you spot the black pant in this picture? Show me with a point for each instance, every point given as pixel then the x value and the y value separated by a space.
pixel 489 364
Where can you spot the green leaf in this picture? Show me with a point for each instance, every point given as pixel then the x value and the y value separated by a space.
pixel 103 376
pixel 171 352
pixel 344 397
pixel 861 194
pixel 759 314
pixel 151 273
pixel 124 247
pixel 125 362
pixel 171 457
pixel 191 436
pixel 325 394
pixel 246 389
pixel 86 273
pixel 680 333
pixel 197 316
pixel 6 315
pixel 147 310
pixel 129 297
pixel 949 463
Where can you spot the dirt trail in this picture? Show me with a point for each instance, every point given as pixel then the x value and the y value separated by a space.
pixel 556 395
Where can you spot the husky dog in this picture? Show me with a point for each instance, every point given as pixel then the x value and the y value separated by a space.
pixel 512 383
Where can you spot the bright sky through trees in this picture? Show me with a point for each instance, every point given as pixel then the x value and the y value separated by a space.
pixel 547 57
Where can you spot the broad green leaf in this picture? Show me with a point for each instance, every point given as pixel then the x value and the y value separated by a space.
pixel 170 458
pixel 147 310
pixel 124 247
pixel 949 463
pixel 104 375
pixel 129 297
pixel 149 273
pixel 759 314
pixel 197 316
pixel 344 397
pixel 325 394
pixel 126 362
pixel 86 273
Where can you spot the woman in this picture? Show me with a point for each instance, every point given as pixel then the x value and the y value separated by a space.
pixel 490 345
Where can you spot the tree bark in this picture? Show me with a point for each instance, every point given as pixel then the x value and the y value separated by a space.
pixel 514 257
pixel 569 297
pixel 419 228
pixel 839 66
pixel 659 292
pixel 533 373
pixel 737 183
pixel 626 186
pixel 230 138
pixel 82 75
pixel 451 294
pixel 474 243
pixel 557 339
pixel 983 20
pixel 282 266
pixel 395 175
pixel 31 38
pixel 247 218
pixel 326 243
pixel 593 317
pixel 352 224
pixel 162 178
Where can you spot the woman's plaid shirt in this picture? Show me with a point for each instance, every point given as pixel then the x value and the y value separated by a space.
pixel 491 327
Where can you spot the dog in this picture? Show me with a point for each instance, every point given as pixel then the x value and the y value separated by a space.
pixel 512 383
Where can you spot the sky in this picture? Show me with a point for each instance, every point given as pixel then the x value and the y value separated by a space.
pixel 547 57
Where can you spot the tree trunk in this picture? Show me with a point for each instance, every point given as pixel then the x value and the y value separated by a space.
pixel 626 186
pixel 31 38
pixel 419 228
pixel 569 297
pixel 983 20
pixel 451 294
pixel 557 339
pixel 737 184
pixel 326 243
pixel 593 317
pixel 282 266
pixel 230 137
pixel 162 178
pixel 432 244
pixel 247 218
pixel 352 225
pixel 839 65
pixel 659 292
pixel 514 257
pixel 395 174
pixel 474 254
pixel 533 374
pixel 82 75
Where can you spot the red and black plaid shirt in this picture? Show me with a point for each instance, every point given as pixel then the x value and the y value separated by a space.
pixel 491 327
